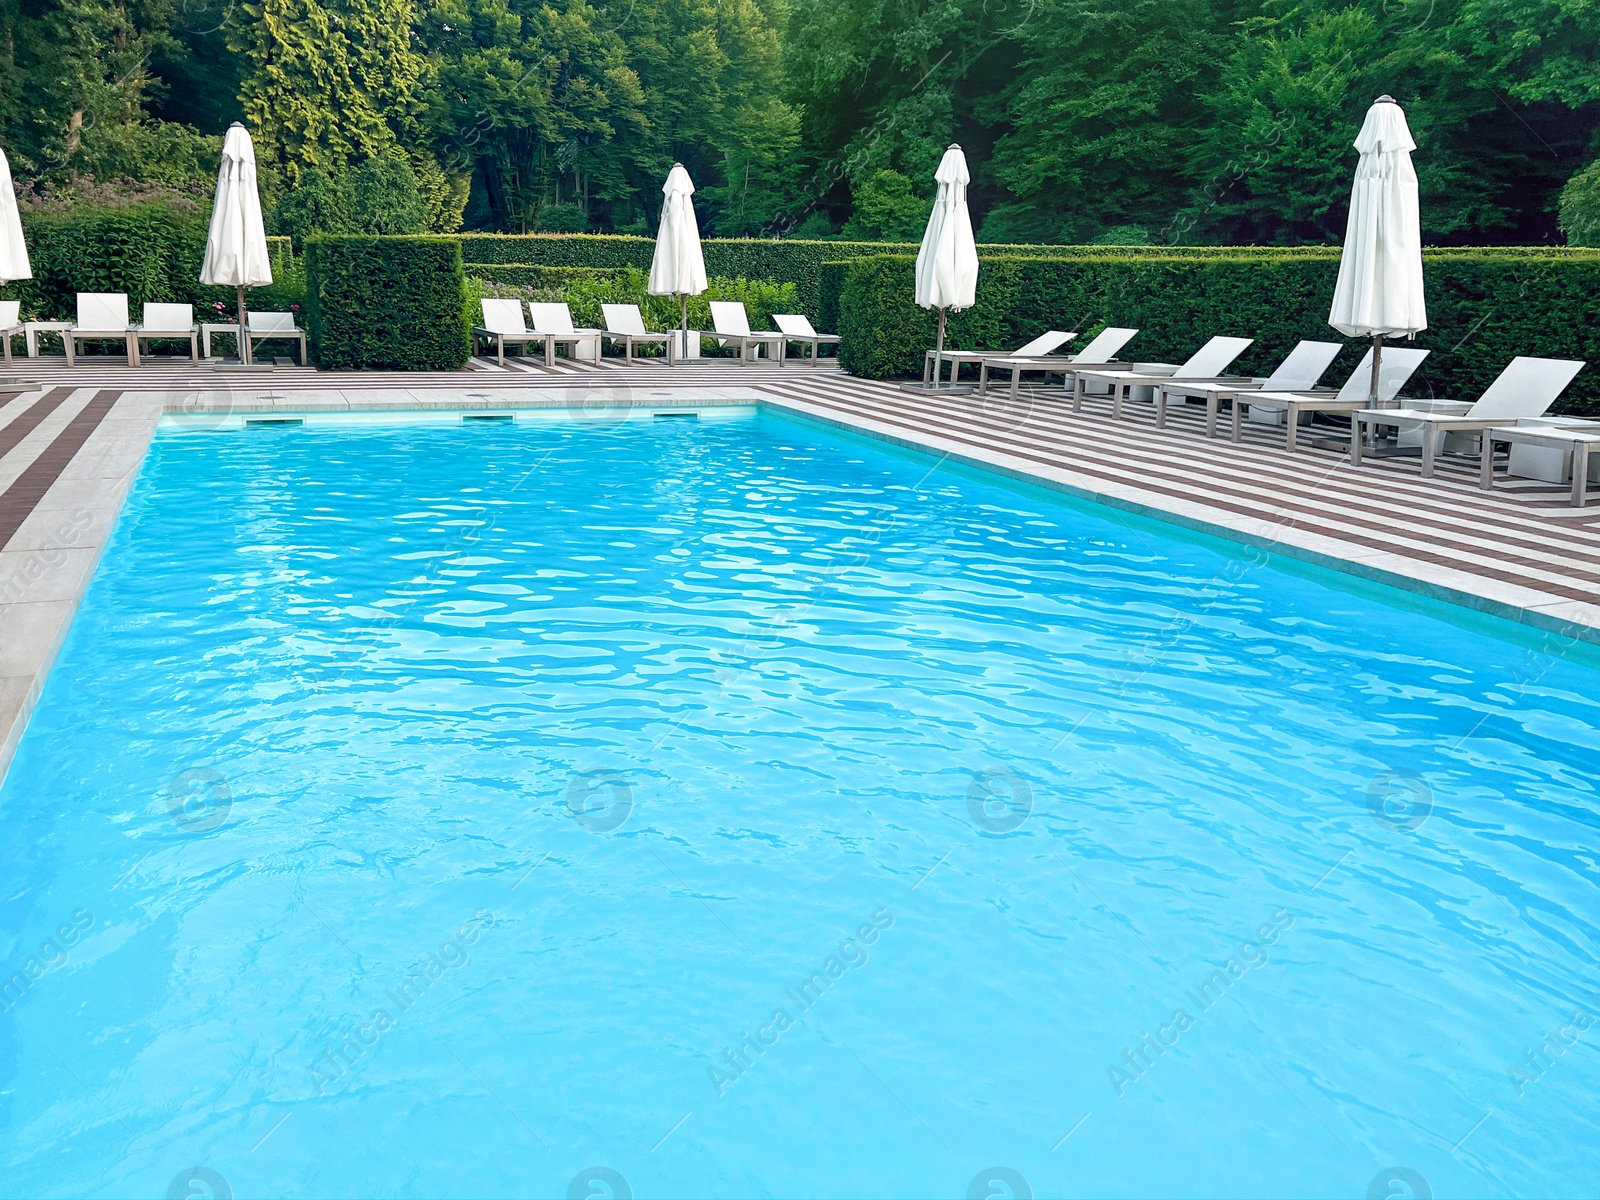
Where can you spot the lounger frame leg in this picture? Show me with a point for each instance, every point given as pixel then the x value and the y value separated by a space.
pixel 1486 463
pixel 1430 447
pixel 1580 474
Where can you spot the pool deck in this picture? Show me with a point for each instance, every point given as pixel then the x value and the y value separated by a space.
pixel 71 446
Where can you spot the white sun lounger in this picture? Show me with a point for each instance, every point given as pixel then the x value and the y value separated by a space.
pixel 1045 343
pixel 796 327
pixel 1578 443
pixel 1102 349
pixel 1524 391
pixel 554 322
pixel 1298 372
pixel 1207 363
pixel 732 324
pixel 10 324
pixel 173 322
pixel 102 317
pixel 274 326
pixel 504 323
pixel 1398 365
pixel 625 324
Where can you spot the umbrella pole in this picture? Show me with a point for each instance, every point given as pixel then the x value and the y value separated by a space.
pixel 938 354
pixel 244 340
pixel 1377 361
pixel 683 323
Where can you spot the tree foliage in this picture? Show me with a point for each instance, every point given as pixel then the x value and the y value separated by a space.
pixel 1146 121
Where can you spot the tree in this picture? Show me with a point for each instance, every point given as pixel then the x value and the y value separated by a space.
pixel 538 102
pixel 887 210
pixel 1580 207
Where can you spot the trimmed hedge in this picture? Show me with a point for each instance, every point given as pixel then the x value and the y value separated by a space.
pixel 804 263
pixel 150 252
pixel 1484 308
pixel 522 275
pixel 782 260
pixel 386 303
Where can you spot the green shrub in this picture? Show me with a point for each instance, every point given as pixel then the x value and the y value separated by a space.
pixel 518 276
pixel 152 252
pixel 887 208
pixel 1580 207
pixel 387 303
pixel 321 203
pixel 1484 308
pixel 563 218
pixel 384 194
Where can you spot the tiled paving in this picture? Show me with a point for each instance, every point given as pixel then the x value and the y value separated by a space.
pixel 71 446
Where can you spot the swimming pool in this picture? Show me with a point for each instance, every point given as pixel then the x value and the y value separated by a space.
pixel 729 808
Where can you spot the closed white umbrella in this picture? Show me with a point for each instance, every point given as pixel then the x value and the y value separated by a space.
pixel 13 250
pixel 947 263
pixel 1379 292
pixel 236 250
pixel 678 268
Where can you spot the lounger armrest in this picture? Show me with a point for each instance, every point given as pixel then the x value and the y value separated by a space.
pixel 1420 416
pixel 1443 407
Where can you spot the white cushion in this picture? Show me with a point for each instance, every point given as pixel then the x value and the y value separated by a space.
pixel 794 324
pixel 168 318
pixel 1399 363
pixel 1526 388
pixel 551 318
pixel 504 316
pixel 1047 343
pixel 10 313
pixel 730 318
pixel 102 311
pixel 1303 366
pixel 271 322
pixel 1104 345
pixel 1213 358
pixel 623 318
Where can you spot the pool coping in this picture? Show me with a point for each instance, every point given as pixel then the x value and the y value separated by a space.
pixel 46 568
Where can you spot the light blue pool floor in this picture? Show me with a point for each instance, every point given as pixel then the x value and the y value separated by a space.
pixel 447 812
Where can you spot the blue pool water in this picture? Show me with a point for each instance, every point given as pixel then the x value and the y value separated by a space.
pixel 732 809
